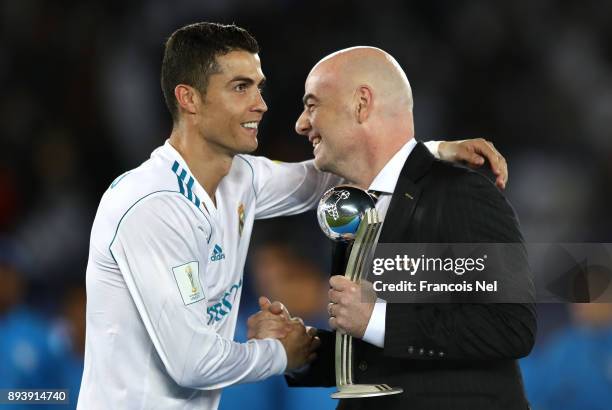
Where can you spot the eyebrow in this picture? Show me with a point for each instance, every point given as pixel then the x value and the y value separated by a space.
pixel 308 97
pixel 248 80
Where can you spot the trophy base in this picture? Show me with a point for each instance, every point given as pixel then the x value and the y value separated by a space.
pixel 354 391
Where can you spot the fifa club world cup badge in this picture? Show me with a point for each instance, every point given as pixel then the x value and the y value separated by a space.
pixel 188 282
pixel 240 218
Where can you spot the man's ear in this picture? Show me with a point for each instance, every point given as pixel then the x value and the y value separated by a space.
pixel 187 97
pixel 364 103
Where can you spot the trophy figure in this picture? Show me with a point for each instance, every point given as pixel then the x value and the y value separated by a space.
pixel 348 214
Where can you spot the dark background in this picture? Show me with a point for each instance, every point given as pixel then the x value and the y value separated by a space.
pixel 81 103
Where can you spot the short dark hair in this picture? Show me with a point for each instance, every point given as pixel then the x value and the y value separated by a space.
pixel 190 56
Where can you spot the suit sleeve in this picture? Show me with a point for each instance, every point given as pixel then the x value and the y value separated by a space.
pixel 473 211
pixel 321 372
pixel 155 241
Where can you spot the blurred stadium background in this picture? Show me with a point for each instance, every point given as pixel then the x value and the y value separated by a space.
pixel 81 103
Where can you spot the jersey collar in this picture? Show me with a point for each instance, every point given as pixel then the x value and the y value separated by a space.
pixel 169 154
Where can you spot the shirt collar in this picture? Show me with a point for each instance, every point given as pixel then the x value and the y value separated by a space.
pixel 387 178
pixel 169 154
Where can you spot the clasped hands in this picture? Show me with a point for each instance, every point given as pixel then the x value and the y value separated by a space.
pixel 350 308
pixel 274 321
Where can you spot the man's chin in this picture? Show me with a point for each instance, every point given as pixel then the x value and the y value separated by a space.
pixel 248 149
pixel 321 165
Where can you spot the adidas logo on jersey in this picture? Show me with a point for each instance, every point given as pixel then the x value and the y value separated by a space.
pixel 217 254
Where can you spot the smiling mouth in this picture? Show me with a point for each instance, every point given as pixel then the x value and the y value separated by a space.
pixel 252 125
pixel 315 141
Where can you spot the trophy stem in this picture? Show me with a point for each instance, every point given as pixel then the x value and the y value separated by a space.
pixel 365 239
pixel 349 358
pixel 340 360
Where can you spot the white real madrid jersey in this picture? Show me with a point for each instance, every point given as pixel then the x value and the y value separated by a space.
pixel 164 280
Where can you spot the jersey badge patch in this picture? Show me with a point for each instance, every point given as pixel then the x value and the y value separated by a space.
pixel 240 218
pixel 188 282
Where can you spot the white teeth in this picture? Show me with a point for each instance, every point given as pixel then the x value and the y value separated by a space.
pixel 252 125
pixel 316 141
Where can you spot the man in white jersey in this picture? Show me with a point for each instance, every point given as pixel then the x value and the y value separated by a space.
pixel 170 238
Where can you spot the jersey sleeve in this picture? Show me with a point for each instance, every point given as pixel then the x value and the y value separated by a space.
pixel 159 247
pixel 284 188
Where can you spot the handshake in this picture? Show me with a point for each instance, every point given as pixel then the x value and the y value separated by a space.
pixel 350 308
pixel 274 321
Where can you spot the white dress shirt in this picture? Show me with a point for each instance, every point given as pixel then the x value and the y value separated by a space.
pixel 385 183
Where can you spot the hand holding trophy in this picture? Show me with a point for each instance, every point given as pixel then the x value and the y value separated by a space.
pixel 348 214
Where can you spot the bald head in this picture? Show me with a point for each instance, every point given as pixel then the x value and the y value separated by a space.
pixel 368 66
pixel 357 112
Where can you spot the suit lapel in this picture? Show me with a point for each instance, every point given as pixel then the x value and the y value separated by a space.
pixel 406 195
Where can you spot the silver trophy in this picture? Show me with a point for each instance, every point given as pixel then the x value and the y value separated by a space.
pixel 348 214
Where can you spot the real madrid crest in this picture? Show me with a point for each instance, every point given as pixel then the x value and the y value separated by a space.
pixel 240 218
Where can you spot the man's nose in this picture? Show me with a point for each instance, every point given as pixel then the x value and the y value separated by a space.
pixel 260 104
pixel 302 125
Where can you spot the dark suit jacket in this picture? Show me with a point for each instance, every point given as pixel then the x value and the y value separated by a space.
pixel 445 356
